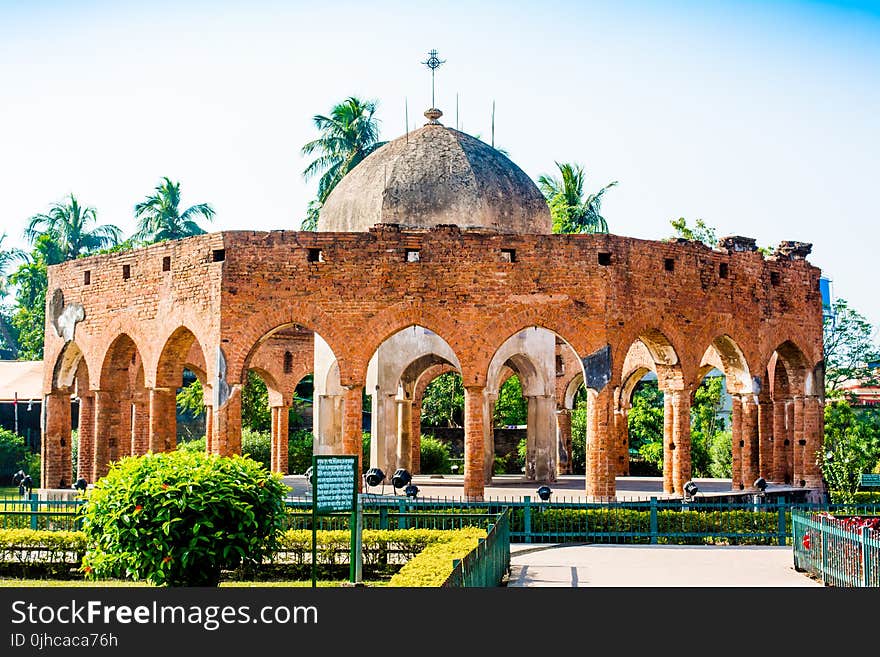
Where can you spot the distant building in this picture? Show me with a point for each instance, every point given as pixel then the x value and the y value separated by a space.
pixel 21 385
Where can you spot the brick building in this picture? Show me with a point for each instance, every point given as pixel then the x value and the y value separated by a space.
pixel 433 255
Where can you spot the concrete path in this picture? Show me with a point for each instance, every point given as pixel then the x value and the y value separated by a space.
pixel 656 565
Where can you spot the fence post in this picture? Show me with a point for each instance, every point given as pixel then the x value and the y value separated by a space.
pixel 654 529
pixel 401 517
pixel 822 547
pixel 866 555
pixel 780 525
pixel 527 518
pixel 383 517
pixel 34 508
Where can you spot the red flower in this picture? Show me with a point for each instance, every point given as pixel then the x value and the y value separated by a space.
pixel 88 570
pixel 164 486
pixel 166 559
pixel 138 508
pixel 806 541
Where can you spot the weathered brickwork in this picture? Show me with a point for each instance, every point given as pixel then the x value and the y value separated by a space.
pixel 224 303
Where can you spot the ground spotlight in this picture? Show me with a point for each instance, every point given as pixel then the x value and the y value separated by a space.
pixel 411 490
pixel 400 478
pixel 760 484
pixel 544 492
pixel 690 489
pixel 375 477
pixel 81 485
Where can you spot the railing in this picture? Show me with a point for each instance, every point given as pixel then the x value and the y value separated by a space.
pixel 834 553
pixel 33 513
pixel 488 563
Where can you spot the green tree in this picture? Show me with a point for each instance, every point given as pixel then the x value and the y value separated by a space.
pixel 68 225
pixel 348 135
pixel 849 349
pixel 159 216
pixel 571 212
pixel 510 407
pixel 852 446
pixel 699 233
pixel 706 426
pixel 645 422
pixel 7 333
pixel 255 411
pixel 443 402
pixel 313 211
pixel 31 280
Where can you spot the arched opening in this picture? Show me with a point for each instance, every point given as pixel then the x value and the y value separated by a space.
pixel 68 442
pixel 125 420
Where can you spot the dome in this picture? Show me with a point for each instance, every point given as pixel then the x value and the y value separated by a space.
pixel 436 175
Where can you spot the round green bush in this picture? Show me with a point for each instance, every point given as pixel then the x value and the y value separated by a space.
pixel 179 518
pixel 435 456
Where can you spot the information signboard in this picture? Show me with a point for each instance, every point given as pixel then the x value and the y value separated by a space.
pixel 335 488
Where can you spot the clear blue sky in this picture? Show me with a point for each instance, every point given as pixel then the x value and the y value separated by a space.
pixel 763 118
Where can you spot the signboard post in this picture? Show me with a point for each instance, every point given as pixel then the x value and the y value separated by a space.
pixel 335 490
pixel 870 480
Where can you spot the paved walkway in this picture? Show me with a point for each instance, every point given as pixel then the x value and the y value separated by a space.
pixel 654 565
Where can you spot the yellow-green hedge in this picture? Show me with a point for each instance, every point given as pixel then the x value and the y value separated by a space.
pixel 433 565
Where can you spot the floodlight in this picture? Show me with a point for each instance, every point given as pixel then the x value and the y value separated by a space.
pixel 411 490
pixel 760 484
pixel 544 492
pixel 690 489
pixel 375 477
pixel 400 478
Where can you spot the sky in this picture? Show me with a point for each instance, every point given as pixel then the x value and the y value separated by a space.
pixel 761 118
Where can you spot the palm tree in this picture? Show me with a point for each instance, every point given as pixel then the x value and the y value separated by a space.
pixel 348 135
pixel 159 216
pixel 572 213
pixel 7 257
pixel 67 224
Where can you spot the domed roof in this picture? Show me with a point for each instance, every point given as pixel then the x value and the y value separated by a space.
pixel 436 175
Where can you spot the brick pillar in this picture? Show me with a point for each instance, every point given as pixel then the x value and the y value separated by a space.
pixel 163 420
pixel 799 443
pixel 766 439
pixel 55 464
pixel 814 429
pixel 106 424
pixel 544 409
pixel 120 441
pixel 622 437
pixel 668 481
pixel 280 434
pixel 563 432
pixel 488 436
pixel 140 431
pixel 681 436
pixel 227 424
pixel 750 441
pixel 531 429
pixel 404 434
pixel 473 442
pixel 780 443
pixel 736 443
pixel 209 429
pixel 789 438
pixel 86 449
pixel 416 433
pixel 600 447
pixel 352 423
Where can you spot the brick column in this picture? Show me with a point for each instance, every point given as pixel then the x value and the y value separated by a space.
pixel 750 441
pixel 736 443
pixel 163 420
pixel 404 434
pixel 681 436
pixel 668 480
pixel 563 433
pixel 280 433
pixel 55 464
pixel 600 448
pixel 799 443
pixel 473 442
pixel 352 423
pixel 209 429
pixel 766 438
pixel 488 436
pixel 416 433
pixel 544 409
pixel 85 450
pixel 140 431
pixel 531 430
pixel 120 441
pixel 106 424
pixel 814 429
pixel 780 443
pixel 789 437
pixel 622 437
pixel 227 424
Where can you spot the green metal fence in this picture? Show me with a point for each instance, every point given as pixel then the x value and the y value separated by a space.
pixel 488 563
pixel 33 513
pixel 834 553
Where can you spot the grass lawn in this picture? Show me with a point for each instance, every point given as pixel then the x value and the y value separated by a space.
pixel 78 583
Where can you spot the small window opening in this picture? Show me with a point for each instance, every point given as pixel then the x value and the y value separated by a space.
pixel 87 277
pixel 723 270
pixel 166 263
pixel 508 255
pixel 126 272
pixel 219 255
pixel 560 365
pixel 604 259
pixel 288 362
pixel 412 255
pixel 315 255
pixel 774 278
pixel 669 264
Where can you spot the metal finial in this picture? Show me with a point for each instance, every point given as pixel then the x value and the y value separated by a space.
pixel 433 62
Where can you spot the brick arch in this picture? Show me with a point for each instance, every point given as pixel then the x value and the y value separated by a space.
pixel 795 363
pixel 122 350
pixel 571 390
pixel 427 377
pixel 734 364
pixel 255 329
pixel 175 356
pixel 492 336
pixel 67 367
pixel 628 385
pixel 400 317
pixel 651 350
pixel 532 380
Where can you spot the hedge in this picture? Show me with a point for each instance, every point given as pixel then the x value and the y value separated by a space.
pixel 33 552
pixel 433 565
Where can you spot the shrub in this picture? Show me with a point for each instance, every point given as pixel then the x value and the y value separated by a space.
pixel 300 447
pixel 179 518
pixel 435 456
pixel 434 564
pixel 34 553
pixel 15 456
pixel 257 445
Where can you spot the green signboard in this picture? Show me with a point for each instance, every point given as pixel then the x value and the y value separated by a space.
pixel 335 488
pixel 872 480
